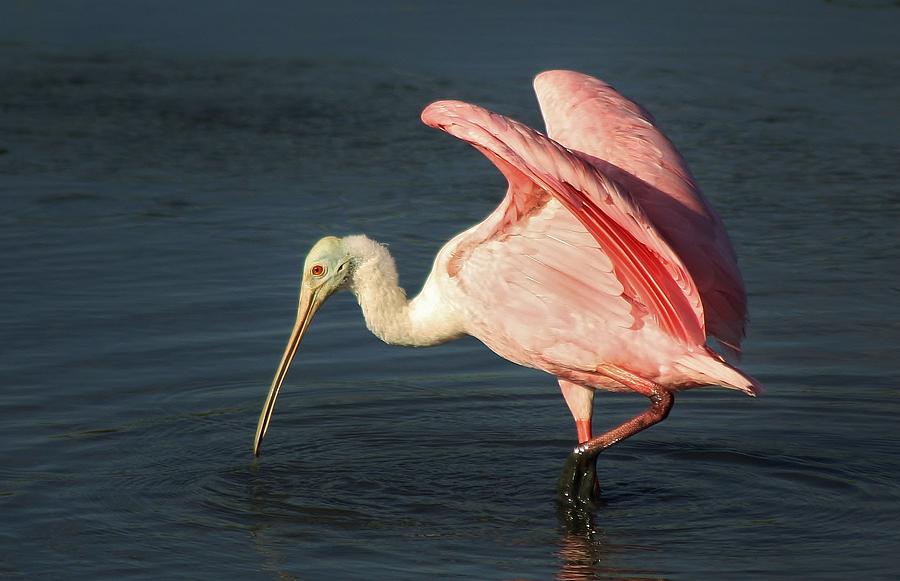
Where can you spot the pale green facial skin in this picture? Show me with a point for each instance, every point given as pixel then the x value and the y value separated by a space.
pixel 327 267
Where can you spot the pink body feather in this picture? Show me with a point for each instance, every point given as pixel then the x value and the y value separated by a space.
pixel 618 137
pixel 603 254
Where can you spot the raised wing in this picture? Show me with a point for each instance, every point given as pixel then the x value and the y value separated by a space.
pixel 619 138
pixel 652 278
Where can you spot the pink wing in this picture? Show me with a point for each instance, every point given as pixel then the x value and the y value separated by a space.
pixel 620 140
pixel 555 195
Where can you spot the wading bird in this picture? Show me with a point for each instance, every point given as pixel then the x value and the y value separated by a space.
pixel 604 266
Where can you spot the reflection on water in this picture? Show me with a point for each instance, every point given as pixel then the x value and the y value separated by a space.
pixel 272 560
pixel 583 548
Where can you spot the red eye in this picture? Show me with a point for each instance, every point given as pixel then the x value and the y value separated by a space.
pixel 317 270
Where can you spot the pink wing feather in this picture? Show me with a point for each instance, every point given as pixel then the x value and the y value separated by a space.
pixel 652 278
pixel 618 137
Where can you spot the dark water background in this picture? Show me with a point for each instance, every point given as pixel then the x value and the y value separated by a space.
pixel 165 166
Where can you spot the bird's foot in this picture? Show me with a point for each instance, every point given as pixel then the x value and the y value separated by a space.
pixel 578 482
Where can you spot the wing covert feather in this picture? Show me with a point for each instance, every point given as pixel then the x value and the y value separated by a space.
pixel 650 273
pixel 620 138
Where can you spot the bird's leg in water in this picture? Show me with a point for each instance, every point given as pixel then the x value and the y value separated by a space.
pixel 577 483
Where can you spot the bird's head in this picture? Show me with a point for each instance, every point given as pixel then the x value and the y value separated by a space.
pixel 326 270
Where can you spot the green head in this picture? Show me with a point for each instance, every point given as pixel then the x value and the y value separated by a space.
pixel 326 268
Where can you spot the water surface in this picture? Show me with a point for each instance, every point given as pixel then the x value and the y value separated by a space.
pixel 163 173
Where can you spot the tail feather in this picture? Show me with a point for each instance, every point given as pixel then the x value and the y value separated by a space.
pixel 709 368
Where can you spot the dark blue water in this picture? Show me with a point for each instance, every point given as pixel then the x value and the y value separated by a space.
pixel 164 168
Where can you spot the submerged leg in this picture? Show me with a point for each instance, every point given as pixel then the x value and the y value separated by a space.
pixel 577 481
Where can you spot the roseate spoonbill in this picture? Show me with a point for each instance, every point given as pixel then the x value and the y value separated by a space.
pixel 604 265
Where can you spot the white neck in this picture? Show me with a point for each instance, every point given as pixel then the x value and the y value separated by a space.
pixel 426 320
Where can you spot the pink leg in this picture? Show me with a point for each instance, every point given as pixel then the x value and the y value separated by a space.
pixel 580 400
pixel 583 427
pixel 578 481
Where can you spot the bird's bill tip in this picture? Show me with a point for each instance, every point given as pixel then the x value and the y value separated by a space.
pixel 309 304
